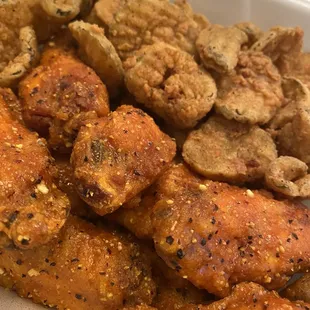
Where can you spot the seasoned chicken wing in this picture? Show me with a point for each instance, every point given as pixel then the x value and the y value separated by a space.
pixel 61 95
pixel 251 296
pixel 169 82
pixel 116 157
pixel 253 93
pixel 85 267
pixel 32 208
pixel 217 235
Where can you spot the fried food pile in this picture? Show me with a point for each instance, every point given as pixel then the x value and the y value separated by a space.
pixel 152 159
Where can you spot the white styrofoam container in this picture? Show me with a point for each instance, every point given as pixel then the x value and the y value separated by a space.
pixel 264 13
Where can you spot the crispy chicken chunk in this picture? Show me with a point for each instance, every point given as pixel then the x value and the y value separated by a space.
pixel 85 267
pixel 251 296
pixel 299 290
pixel 219 47
pixel 226 150
pixel 217 235
pixel 32 209
pixel 170 83
pixel 253 93
pixel 116 157
pixel 61 95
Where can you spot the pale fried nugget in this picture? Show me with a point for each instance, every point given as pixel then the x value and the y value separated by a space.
pixel 286 175
pixel 225 150
pixel 170 83
pixel 253 94
pixel 32 208
pixel 251 296
pixel 217 235
pixel 133 24
pixel 98 52
pixel 85 267
pixel 118 156
pixel 299 290
pixel 253 32
pixel 280 41
pixel 61 95
pixel 219 47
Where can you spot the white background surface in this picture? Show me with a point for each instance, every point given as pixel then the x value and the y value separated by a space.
pixel 265 13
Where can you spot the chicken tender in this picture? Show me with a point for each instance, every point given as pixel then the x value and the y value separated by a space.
pixel 60 96
pixel 32 208
pixel 116 157
pixel 219 47
pixel 225 150
pixel 299 290
pixel 253 94
pixel 133 24
pixel 251 296
pixel 85 267
pixel 170 83
pixel 289 176
pixel 217 235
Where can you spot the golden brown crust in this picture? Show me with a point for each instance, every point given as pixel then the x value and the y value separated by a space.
pixel 61 95
pixel 118 156
pixel 85 267
pixel 32 208
pixel 217 235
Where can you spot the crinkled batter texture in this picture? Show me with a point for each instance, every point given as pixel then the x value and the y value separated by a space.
pixel 170 83
pixel 253 94
pixel 85 267
pixel 219 47
pixel 225 150
pixel 32 208
pixel 251 296
pixel 217 235
pixel 61 95
pixel 118 156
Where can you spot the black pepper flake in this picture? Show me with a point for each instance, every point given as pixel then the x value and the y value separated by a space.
pixel 102 273
pixel 215 208
pixel 136 172
pixel 250 237
pixel 23 275
pixel 40 101
pixel 25 242
pixel 190 220
pixel 227 242
pixel 56 277
pixel 203 242
pixel 78 296
pixel 299 260
pixel 288 240
pixel 53 264
pixel 169 240
pixel 112 283
pixel 295 236
pixel 30 216
pixel 180 254
pixel 46 260
pixel 255 300
pixel 85 159
pixel 73 260
pixel 109 251
pixel 213 221
pixel 290 221
pixel 278 255
pixel 220 241
pixel 34 91
pixel 19 262
pixel 210 236
pixel 291 260
pixel 222 260
pixel 178 268
pixel 33 195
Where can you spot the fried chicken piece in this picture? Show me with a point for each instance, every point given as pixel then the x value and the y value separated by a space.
pixel 217 235
pixel 251 296
pixel 12 103
pixel 225 150
pixel 85 267
pixel 253 32
pixel 299 290
pixel 289 176
pixel 61 95
pixel 32 208
pixel 253 94
pixel 118 156
pixel 170 83
pixel 219 47
pixel 135 23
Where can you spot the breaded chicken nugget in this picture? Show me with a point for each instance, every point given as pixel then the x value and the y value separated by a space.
pixel 219 47
pixel 61 95
pixel 32 208
pixel 116 157
pixel 253 93
pixel 225 150
pixel 217 235
pixel 85 267
pixel 169 82
pixel 251 296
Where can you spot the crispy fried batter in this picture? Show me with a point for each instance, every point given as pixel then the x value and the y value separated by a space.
pixel 251 296
pixel 170 83
pixel 287 175
pixel 219 47
pixel 217 235
pixel 118 156
pixel 98 52
pixel 253 32
pixel 299 290
pixel 32 208
pixel 225 150
pixel 61 95
pixel 12 103
pixel 133 24
pixel 85 267
pixel 253 94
